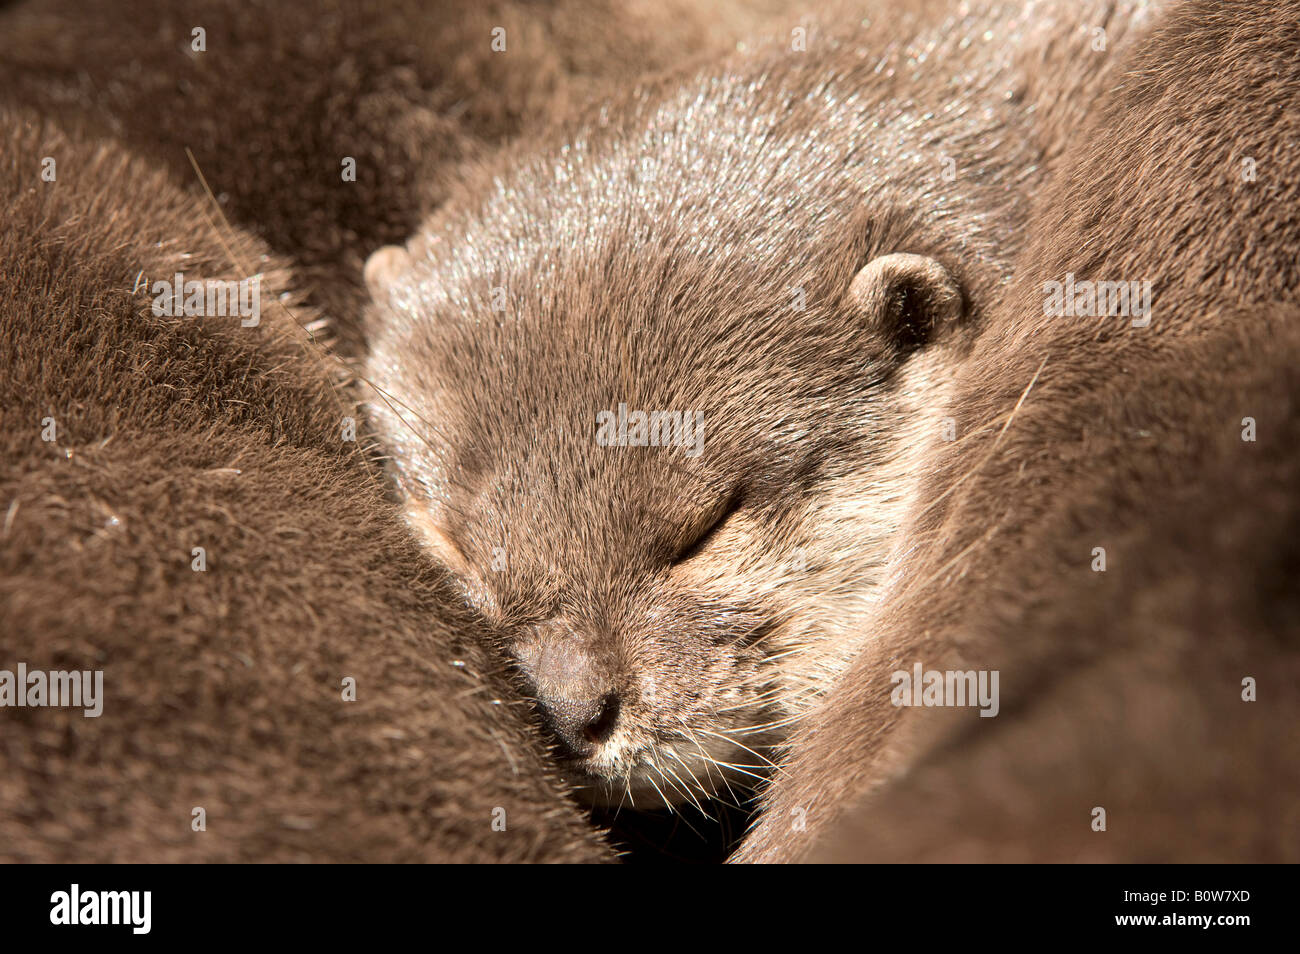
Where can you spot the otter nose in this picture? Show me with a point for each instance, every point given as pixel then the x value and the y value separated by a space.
pixel 573 682
pixel 581 724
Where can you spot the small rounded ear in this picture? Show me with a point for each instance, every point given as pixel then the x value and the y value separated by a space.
pixel 382 268
pixel 908 298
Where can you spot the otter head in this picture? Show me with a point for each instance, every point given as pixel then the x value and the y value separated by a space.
pixel 663 441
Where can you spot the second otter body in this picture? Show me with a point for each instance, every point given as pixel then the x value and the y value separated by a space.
pixel 659 389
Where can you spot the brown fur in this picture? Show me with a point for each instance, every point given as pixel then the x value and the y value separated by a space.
pixel 282 93
pixel 646 254
pixel 1120 689
pixel 287 88
pixel 289 772
pixel 223 688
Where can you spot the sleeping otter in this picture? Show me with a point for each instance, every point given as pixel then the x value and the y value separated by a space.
pixel 658 388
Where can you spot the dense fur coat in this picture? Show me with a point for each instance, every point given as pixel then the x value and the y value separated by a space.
pixel 691 248
pixel 224 687
pixel 285 90
pixel 1121 689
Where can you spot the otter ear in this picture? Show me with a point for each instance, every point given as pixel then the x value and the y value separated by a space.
pixel 908 298
pixel 382 268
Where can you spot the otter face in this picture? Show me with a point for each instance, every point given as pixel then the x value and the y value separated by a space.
pixel 674 525
pixel 664 436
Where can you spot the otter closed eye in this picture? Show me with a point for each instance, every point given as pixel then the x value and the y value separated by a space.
pixel 712 525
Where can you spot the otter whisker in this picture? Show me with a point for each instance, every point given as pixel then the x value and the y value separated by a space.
pixel 757 755
pixel 710 761
pixel 665 771
pixel 662 797
pixel 672 752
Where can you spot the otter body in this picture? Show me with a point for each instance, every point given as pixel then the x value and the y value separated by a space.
pixel 1115 530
